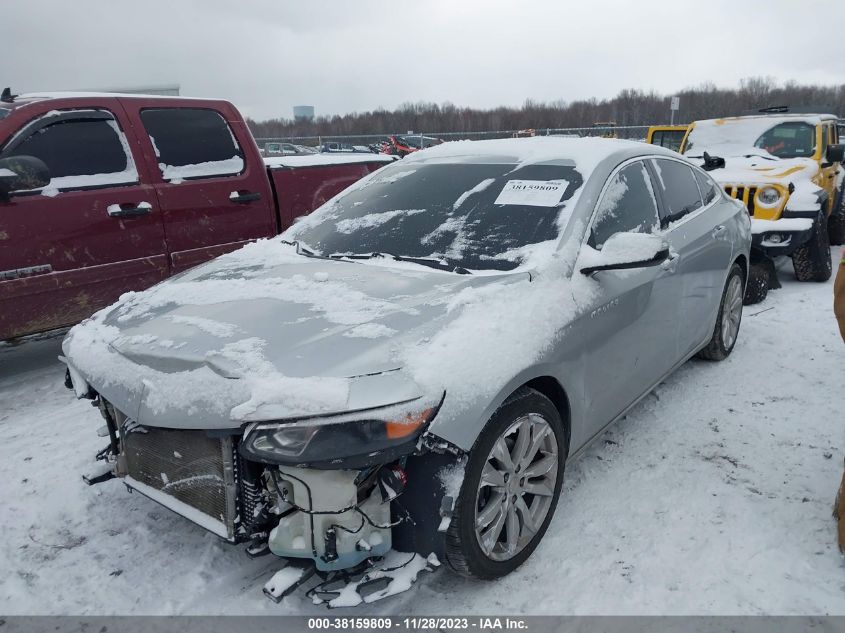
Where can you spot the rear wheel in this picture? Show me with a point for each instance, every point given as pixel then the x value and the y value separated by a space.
pixel 811 260
pixel 510 489
pixel 728 319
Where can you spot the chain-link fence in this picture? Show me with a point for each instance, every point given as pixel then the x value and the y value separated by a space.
pixel 633 132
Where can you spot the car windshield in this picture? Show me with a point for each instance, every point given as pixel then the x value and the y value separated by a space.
pixel 743 136
pixel 470 215
pixel 789 140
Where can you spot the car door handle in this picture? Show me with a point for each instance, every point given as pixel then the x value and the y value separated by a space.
pixel 129 210
pixel 718 231
pixel 242 197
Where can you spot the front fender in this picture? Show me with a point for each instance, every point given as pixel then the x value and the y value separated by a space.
pixel 463 426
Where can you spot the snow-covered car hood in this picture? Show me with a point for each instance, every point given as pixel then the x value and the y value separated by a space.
pixel 754 169
pixel 265 333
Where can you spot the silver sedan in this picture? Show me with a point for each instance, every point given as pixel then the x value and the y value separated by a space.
pixel 412 365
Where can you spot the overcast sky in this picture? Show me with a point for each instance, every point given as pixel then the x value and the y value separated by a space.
pixel 345 55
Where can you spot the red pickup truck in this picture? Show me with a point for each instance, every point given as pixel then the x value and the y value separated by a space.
pixel 104 193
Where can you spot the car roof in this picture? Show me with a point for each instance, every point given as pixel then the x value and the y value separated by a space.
pixel 786 116
pixel 585 153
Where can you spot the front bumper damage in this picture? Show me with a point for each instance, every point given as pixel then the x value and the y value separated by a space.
pixel 333 526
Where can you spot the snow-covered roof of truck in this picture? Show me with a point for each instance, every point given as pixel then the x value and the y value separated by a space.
pixel 99 95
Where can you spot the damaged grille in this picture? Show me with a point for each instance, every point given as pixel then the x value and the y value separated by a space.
pixel 195 470
pixel 746 194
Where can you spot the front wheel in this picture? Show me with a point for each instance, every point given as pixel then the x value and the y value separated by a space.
pixel 811 260
pixel 510 489
pixel 728 319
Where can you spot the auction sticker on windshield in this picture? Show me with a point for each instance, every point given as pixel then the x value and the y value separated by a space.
pixel 532 193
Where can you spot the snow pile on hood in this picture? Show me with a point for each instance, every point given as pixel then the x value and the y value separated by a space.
pixel 336 301
pixel 98 347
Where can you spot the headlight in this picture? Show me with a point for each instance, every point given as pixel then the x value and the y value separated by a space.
pixel 365 434
pixel 768 196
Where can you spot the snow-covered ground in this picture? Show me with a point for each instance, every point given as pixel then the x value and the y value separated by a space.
pixel 713 496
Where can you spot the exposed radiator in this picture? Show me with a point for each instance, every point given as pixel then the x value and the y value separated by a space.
pixel 187 471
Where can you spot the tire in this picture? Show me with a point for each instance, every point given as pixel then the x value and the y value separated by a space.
pixel 464 552
pixel 811 260
pixel 757 287
pixel 836 220
pixel 728 319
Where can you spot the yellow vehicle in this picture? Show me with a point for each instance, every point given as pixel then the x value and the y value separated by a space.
pixel 605 129
pixel 786 167
pixel 668 136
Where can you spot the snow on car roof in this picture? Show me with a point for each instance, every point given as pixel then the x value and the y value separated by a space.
pixel 316 160
pixel 83 94
pixel 585 152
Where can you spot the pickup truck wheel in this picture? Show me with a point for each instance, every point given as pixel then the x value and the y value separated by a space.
pixel 728 318
pixel 811 260
pixel 510 489
pixel 836 220
pixel 757 287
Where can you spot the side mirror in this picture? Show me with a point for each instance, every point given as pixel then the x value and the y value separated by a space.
pixel 627 250
pixel 835 153
pixel 22 172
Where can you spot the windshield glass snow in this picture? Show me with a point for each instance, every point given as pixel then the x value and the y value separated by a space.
pixel 473 216
pixel 752 136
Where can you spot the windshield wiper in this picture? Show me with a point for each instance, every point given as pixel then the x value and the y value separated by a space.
pixel 303 250
pixel 441 264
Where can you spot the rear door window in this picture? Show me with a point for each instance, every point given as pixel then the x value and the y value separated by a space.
pixel 628 205
pixel 84 150
pixel 679 189
pixel 192 143
pixel 708 188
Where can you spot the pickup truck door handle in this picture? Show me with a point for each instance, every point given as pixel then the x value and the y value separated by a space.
pixel 129 210
pixel 242 197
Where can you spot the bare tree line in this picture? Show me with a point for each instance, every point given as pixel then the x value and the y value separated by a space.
pixel 629 107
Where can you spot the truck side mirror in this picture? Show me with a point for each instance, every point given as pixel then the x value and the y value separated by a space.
pixel 22 172
pixel 835 153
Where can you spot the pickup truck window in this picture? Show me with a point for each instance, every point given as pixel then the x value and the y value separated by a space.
pixel 192 143
pixel 81 150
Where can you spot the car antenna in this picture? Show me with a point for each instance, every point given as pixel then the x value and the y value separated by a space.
pixel 7 96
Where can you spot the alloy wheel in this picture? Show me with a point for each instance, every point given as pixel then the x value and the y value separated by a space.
pixel 517 486
pixel 732 312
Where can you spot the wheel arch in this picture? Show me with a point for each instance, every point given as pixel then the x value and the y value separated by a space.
pixel 550 387
pixel 742 260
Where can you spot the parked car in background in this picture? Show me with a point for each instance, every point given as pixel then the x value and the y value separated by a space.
pixel 605 129
pixel 668 136
pixel 402 145
pixel 786 167
pixel 101 194
pixel 350 361
pixel 333 147
pixel 287 149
